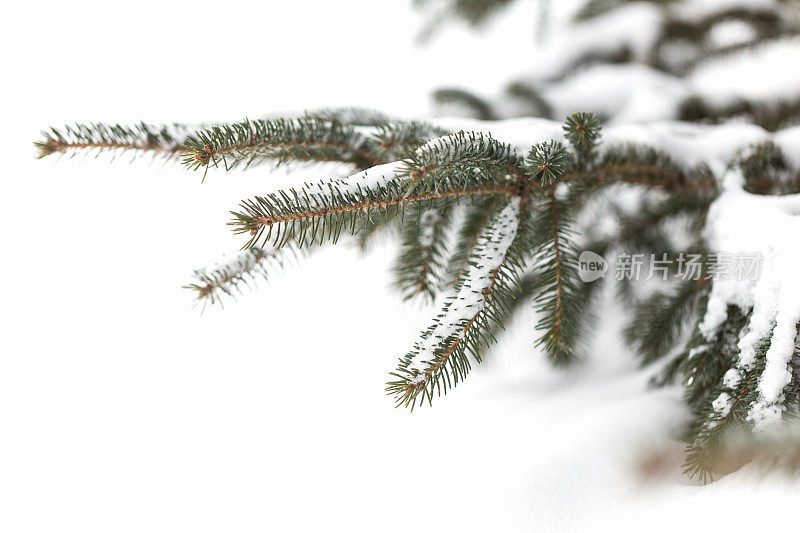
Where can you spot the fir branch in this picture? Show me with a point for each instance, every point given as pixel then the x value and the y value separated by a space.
pixel 770 115
pixel 792 392
pixel 766 24
pixel 520 293
pixel 610 54
pixel 766 170
pixel 243 271
pixel 440 359
pixel 372 226
pixel 704 361
pixel 475 220
pixel 535 102
pixel 643 165
pixel 660 320
pixel 595 8
pixel 473 105
pixel 476 12
pixel 555 255
pixel 463 153
pixel 165 140
pixel 711 55
pixel 399 139
pixel 582 130
pixel 559 302
pixel 547 162
pixel 775 386
pixel 322 211
pixel 767 452
pixel 726 412
pixel 419 268
pixel 279 140
pixel 439 172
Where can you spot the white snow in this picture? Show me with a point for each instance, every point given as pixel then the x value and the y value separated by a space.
pixel 624 93
pixel 731 378
pixel 697 350
pixel 371 178
pixel 730 33
pixel 721 81
pixel 521 133
pixel 491 248
pixel 427 224
pixel 634 26
pixel 634 92
pixel 722 404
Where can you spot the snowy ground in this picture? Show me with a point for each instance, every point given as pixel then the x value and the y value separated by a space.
pixel 124 409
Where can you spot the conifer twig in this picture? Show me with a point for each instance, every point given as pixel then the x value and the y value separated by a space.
pixel 439 360
pixel 419 267
pixel 242 271
pixel 164 140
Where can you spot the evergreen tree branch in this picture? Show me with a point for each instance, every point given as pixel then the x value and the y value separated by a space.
pixel 228 279
pixel 440 359
pixel 641 165
pixel 766 170
pixel 559 302
pixel 164 140
pixel 768 453
pixel 422 258
pixel 582 130
pixel 476 219
pixel 474 105
pixel 372 226
pixel 398 140
pixel 521 292
pixel 463 153
pixel 766 25
pixel 439 172
pixel 279 140
pixel 770 115
pixel 726 412
pixel 321 212
pixel 704 361
pixel 660 320
pixel 555 255
pixel 536 104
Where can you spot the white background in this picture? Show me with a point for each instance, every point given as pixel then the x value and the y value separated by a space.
pixel 122 408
